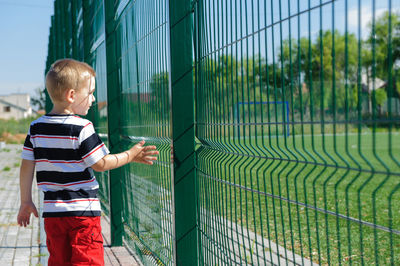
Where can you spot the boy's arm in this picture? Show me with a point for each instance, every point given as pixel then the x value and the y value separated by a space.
pixel 138 153
pixel 25 182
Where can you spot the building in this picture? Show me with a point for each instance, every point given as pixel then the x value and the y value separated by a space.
pixel 15 106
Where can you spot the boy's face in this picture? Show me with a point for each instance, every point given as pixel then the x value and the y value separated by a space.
pixel 84 98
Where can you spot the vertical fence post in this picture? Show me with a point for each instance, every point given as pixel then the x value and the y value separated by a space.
pixel 57 30
pixel 86 24
pixel 74 8
pixel 183 132
pixel 113 109
pixel 50 59
pixel 61 29
pixel 67 28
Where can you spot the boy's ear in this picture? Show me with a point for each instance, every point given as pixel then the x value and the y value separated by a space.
pixel 71 95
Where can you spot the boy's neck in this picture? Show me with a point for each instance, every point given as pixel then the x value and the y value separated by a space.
pixel 59 109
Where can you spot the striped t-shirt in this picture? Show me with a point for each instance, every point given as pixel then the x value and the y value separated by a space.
pixel 64 147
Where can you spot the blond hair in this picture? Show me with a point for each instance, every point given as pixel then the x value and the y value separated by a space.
pixel 65 74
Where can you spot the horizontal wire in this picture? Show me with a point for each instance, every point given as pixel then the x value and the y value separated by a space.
pixel 146 125
pixel 361 170
pixel 383 121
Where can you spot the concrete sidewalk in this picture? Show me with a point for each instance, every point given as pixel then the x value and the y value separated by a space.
pixel 27 246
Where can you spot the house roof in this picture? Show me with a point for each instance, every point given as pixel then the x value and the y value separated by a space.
pixel 13 105
pixel 373 84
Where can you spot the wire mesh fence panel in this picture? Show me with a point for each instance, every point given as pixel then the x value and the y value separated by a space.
pixel 297 124
pixel 298 149
pixel 95 55
pixel 141 34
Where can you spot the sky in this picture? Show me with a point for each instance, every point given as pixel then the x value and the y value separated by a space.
pixel 24 31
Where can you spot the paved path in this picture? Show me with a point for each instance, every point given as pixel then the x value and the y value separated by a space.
pixel 26 246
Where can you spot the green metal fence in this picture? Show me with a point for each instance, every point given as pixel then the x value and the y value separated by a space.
pixel 283 117
pixel 91 35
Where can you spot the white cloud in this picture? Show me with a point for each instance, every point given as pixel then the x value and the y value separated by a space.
pixel 366 18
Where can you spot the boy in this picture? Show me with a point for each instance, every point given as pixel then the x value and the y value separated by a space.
pixel 64 149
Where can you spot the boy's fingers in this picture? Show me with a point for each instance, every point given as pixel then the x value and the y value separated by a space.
pixel 22 221
pixel 23 218
pixel 151 153
pixel 25 221
pixel 151 147
pixel 139 144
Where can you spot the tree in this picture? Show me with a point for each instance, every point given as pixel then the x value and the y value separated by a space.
pixel 323 66
pixel 39 99
pixel 380 98
pixel 384 51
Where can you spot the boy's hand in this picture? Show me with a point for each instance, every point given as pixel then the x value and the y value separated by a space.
pixel 143 154
pixel 24 214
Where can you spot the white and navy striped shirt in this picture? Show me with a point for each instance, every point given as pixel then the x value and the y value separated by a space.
pixel 64 147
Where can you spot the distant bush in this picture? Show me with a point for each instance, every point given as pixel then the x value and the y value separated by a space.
pixel 14 131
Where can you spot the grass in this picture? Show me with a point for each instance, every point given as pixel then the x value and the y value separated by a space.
pixel 40 255
pixel 8 224
pixel 6 169
pixel 13 131
pixel 292 191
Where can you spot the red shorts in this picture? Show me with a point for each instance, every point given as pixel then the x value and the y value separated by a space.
pixel 74 241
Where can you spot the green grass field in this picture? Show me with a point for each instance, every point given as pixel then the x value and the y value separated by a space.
pixel 319 196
